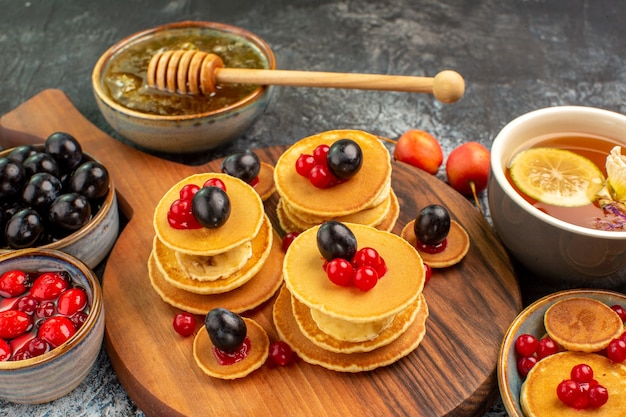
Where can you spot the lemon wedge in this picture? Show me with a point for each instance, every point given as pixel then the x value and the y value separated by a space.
pixel 556 176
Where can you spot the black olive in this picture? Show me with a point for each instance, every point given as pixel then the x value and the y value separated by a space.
pixel 90 179
pixel 41 162
pixel 24 229
pixel 12 177
pixel 243 165
pixel 336 240
pixel 65 149
pixel 41 190
pixel 432 224
pixel 344 158
pixel 227 330
pixel 211 207
pixel 70 211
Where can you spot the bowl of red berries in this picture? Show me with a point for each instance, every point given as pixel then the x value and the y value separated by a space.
pixel 55 196
pixel 566 353
pixel 51 324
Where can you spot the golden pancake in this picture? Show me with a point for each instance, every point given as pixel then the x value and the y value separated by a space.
pixel 400 323
pixel 582 324
pixel 538 397
pixel 257 355
pixel 175 274
pixel 457 246
pixel 289 331
pixel 211 268
pixel 361 191
pixel 244 222
pixel 265 187
pixel 306 279
pixel 250 295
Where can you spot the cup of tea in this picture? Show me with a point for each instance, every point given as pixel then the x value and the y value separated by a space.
pixel 562 242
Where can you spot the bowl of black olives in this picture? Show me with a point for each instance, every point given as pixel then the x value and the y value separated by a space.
pixel 55 196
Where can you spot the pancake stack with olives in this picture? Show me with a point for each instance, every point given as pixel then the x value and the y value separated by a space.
pixel 342 175
pixel 352 299
pixel 214 246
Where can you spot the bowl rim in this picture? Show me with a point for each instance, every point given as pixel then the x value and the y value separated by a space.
pixel 499 147
pixel 97 74
pixel 107 204
pixel 95 309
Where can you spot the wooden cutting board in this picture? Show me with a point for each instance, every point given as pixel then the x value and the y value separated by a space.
pixel 452 373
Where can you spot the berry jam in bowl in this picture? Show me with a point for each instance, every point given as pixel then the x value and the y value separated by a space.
pixel 51 324
pixel 527 342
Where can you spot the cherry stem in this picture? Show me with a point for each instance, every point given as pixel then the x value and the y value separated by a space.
pixel 387 139
pixel 472 185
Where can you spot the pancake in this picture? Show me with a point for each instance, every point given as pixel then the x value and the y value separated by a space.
pixel 400 323
pixel 243 224
pixel 252 294
pixel 363 190
pixel 307 281
pixel 538 397
pixel 582 324
pixel 265 187
pixel 289 331
pixel 175 274
pixel 457 246
pixel 257 355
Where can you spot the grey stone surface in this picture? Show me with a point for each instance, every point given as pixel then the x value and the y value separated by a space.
pixel 516 56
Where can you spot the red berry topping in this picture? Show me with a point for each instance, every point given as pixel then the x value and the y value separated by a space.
pixel 287 239
pixel 616 351
pixel 71 301
pixel 320 176
pixel 28 304
pixel 180 215
pixel 320 153
pixel 280 353
pixel 525 364
pixel 432 249
pixel 365 278
pixel 598 396
pixel 526 345
pixel 547 347
pixel 56 330
pixel 13 323
pixel 36 347
pixel 184 324
pixel 5 350
pixel 13 283
pixel 582 373
pixel 340 272
pixel 214 182
pixel 428 273
pixel 48 286
pixel 369 257
pixel 231 357
pixel 621 312
pixel 187 192
pixel 569 392
pixel 304 164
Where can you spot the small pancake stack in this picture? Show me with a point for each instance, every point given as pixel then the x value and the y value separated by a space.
pixel 343 328
pixel 366 198
pixel 235 266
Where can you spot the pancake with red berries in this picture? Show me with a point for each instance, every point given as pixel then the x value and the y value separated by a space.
pixel 538 397
pixel 457 246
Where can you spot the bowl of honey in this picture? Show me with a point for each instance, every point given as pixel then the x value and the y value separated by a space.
pixel 555 195
pixel 173 122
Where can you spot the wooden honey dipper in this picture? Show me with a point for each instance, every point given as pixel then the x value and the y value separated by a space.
pixel 197 72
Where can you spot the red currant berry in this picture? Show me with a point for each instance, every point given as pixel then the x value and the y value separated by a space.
pixel 13 283
pixel 623 337
pixel 36 347
pixel 525 364
pixel 45 309
pixel 27 304
pixel 287 239
pixel 48 286
pixel 320 176
pixel 366 256
pixel 180 215
pixel 526 345
pixel 215 182
pixel 616 351
pixel 365 278
pixel 304 164
pixel 381 269
pixel 56 330
pixel 428 273
pixel 184 324
pixel 340 272
pixel 187 192
pixel 621 312
pixel 598 396
pixel 582 373
pixel 78 319
pixel 13 323
pixel 280 353
pixel 320 153
pixel 569 392
pixel 71 301
pixel 5 350
pixel 547 347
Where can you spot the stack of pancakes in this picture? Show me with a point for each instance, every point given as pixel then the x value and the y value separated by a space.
pixel 236 266
pixel 366 198
pixel 343 328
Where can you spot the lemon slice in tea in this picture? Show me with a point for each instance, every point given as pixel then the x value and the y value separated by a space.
pixel 556 176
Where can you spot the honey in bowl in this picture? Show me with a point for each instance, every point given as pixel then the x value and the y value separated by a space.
pixel 125 76
pixel 595 214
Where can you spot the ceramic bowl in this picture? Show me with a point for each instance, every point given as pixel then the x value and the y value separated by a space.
pixel 183 133
pixel 93 242
pixel 530 321
pixel 555 251
pixel 57 372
